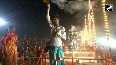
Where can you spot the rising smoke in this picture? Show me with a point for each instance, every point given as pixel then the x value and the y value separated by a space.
pixel 77 7
pixel 71 6
pixel 75 28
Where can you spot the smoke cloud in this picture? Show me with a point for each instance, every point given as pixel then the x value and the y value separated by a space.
pixel 75 28
pixel 77 7
pixel 71 6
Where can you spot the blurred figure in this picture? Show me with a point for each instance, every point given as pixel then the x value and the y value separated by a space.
pixel 104 55
pixel 74 44
pixel 32 55
pixel 27 54
pixel 70 38
pixel 9 58
pixel 39 51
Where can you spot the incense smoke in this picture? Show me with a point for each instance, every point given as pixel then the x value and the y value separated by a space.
pixel 71 6
pixel 77 7
pixel 75 28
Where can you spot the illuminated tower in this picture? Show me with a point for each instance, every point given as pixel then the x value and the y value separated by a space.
pixel 107 28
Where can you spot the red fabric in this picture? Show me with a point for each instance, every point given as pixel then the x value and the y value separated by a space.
pixel 5 40
pixel 34 38
pixel 30 38
pixel 104 56
pixel 41 42
pixel 40 52
pixel 25 36
pixel 7 37
pixel 27 43
pixel 21 51
pixel 36 43
pixel 35 51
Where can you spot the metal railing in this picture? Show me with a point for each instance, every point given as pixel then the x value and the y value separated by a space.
pixel 43 60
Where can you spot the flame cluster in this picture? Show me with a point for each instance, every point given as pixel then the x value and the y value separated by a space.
pixel 88 33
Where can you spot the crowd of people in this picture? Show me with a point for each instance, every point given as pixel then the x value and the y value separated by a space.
pixel 28 44
pixel 30 47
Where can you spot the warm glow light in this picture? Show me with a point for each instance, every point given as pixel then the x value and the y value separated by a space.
pixel 106 23
pixel 107 41
pixel 103 4
pixel 107 30
pixel 88 33
pixel 103 9
pixel 105 16
pixel 106 27
pixel 110 42
pixel 105 20
pixel 106 33
pixel 103 1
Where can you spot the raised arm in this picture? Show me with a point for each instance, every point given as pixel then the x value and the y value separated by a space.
pixel 48 17
pixel 4 39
